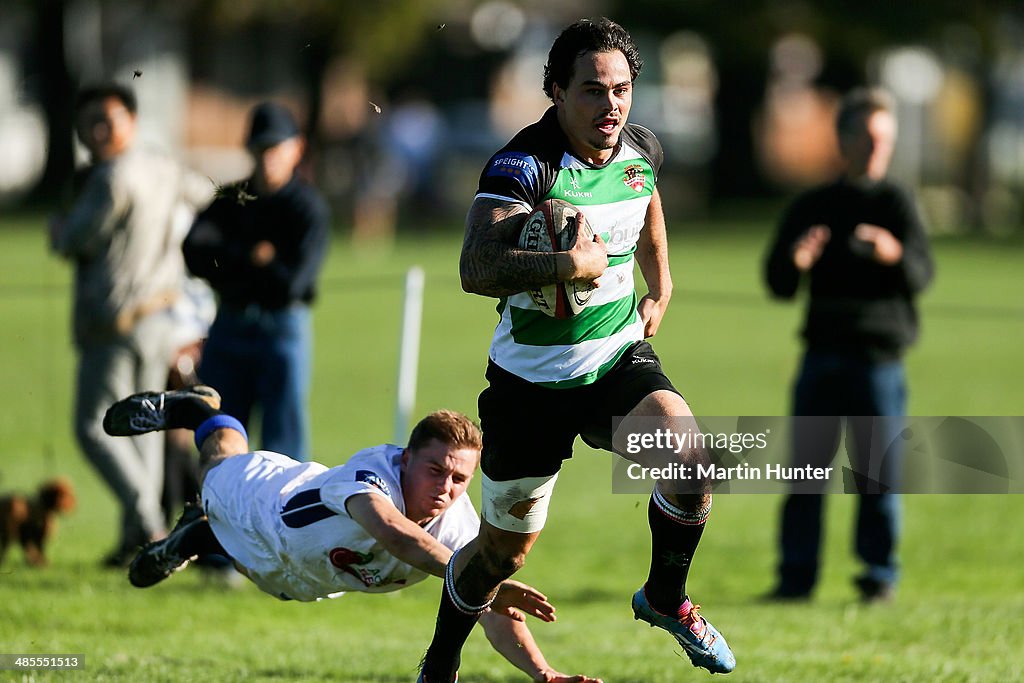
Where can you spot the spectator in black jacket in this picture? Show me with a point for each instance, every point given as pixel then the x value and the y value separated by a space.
pixel 860 244
pixel 261 245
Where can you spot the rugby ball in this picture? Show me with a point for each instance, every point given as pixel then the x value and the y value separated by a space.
pixel 553 226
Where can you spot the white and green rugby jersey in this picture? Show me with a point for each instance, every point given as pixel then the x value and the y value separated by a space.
pixel 537 165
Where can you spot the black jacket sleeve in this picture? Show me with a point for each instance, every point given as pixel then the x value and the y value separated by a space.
pixel 780 273
pixel 917 267
pixel 298 276
pixel 209 250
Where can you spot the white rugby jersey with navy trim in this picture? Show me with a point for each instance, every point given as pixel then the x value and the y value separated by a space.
pixel 536 165
pixel 286 522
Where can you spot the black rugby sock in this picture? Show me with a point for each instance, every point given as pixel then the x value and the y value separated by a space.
pixel 455 621
pixel 675 534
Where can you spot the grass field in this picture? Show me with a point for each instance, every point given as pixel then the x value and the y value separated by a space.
pixel 958 616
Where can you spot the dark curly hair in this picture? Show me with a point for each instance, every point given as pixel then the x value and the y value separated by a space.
pixel 587 35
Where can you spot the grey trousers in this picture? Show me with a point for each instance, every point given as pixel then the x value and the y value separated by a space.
pixel 132 467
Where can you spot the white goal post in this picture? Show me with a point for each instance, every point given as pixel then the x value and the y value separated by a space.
pixel 408 353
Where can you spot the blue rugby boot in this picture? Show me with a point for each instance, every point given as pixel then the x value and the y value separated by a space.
pixel 701 641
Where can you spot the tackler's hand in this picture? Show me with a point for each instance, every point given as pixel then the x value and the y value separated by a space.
pixel 514 599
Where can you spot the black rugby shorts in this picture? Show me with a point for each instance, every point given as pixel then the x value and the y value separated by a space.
pixel 529 429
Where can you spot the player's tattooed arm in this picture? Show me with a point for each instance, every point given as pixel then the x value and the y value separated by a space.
pixel 492 264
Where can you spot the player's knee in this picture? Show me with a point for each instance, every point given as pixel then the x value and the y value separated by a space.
pixel 695 456
pixel 519 506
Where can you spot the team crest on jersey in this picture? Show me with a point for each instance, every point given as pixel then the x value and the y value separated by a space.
pixel 635 177
pixel 373 479
pixel 349 561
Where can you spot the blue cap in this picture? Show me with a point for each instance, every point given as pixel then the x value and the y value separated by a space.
pixel 270 124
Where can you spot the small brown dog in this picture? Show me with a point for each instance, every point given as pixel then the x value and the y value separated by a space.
pixel 31 521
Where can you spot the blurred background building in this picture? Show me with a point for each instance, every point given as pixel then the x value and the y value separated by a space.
pixel 404 99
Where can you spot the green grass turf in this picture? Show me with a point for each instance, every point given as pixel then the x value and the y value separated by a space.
pixel 731 351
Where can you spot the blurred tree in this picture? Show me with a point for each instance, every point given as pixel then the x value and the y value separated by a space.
pixel 379 36
pixel 54 89
pixel 742 33
pixel 387 40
